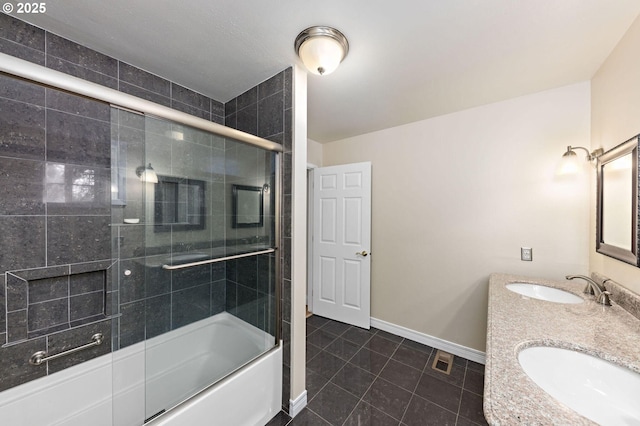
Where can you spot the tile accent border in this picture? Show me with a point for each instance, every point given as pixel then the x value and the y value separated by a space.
pixel 434 342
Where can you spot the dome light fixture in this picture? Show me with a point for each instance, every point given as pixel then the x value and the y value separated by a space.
pixel 321 49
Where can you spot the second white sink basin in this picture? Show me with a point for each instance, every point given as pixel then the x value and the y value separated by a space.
pixel 542 292
pixel 597 389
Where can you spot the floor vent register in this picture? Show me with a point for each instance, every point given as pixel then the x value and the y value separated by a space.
pixel 443 362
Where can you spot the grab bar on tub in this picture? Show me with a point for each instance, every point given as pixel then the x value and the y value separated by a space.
pixel 218 259
pixel 41 356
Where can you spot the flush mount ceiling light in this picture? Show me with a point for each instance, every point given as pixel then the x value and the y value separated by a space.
pixel 321 49
pixel 570 163
pixel 147 174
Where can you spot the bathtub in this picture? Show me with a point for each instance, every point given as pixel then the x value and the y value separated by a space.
pixel 110 390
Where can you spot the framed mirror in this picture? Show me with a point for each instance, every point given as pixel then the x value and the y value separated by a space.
pixel 179 204
pixel 617 202
pixel 248 206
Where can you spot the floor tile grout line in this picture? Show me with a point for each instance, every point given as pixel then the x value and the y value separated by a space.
pixel 403 363
pixel 336 373
pixel 465 389
pixel 457 413
pixel 339 336
pixel 326 382
pixel 338 386
pixel 365 392
pixel 413 393
pixel 378 374
pixel 374 380
pixel 318 414
pixel 389 358
pixel 461 393
pixel 348 362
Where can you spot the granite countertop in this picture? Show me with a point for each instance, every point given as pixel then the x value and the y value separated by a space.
pixel 516 322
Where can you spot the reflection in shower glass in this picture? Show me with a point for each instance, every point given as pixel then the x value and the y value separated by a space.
pixel 69 184
pixel 198 323
pixel 179 204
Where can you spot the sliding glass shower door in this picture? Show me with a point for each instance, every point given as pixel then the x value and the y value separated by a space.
pixel 197 225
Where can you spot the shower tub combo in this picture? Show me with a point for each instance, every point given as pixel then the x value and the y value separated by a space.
pixel 175 359
pixel 82 395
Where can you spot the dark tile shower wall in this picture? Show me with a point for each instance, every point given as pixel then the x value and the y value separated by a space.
pixel 55 257
pixel 267 111
pixel 43 227
pixel 152 300
pixel 250 290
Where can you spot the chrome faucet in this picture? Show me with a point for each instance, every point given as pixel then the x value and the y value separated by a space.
pixel 601 293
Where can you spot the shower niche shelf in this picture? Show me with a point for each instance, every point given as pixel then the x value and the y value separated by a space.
pixel 48 300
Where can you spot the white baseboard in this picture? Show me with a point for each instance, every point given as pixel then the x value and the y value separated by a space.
pixel 296 405
pixel 434 342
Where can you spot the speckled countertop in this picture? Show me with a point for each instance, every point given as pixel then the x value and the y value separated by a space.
pixel 516 322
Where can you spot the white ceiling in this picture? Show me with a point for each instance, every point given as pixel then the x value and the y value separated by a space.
pixel 408 59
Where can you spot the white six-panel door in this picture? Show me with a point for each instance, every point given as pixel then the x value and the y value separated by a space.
pixel 342 242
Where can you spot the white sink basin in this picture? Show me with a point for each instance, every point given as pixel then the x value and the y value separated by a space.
pixel 597 389
pixel 542 292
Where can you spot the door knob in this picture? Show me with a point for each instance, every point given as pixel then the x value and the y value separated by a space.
pixel 362 253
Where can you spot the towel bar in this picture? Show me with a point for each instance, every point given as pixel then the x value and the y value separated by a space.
pixel 219 259
pixel 41 356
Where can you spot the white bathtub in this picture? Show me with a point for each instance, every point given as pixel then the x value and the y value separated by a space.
pixel 110 390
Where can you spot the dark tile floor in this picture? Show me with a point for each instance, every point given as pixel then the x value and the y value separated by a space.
pixel 371 377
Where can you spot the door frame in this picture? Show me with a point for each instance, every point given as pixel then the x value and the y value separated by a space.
pixel 310 194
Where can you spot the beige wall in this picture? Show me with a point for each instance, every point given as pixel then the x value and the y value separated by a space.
pixel 615 111
pixel 456 196
pixel 314 153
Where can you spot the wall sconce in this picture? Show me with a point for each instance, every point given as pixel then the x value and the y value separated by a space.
pixel 147 174
pixel 570 163
pixel 321 49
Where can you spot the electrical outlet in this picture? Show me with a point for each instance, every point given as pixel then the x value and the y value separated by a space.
pixel 526 254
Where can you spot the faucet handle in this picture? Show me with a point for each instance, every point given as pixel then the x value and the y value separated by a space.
pixel 604 299
pixel 588 289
